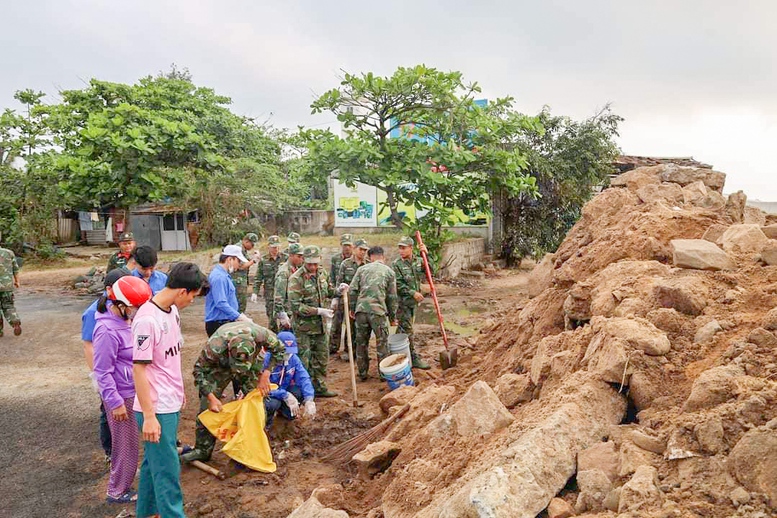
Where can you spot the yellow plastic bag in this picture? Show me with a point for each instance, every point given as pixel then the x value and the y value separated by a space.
pixel 241 425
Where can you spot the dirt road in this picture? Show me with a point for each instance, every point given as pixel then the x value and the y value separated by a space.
pixel 52 461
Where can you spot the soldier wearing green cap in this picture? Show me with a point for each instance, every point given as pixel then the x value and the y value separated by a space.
pixel 292 238
pixel 344 276
pixel 9 279
pixel 265 276
pixel 410 274
pixel 281 308
pixel 309 297
pixel 124 255
pixel 346 251
pixel 240 275
pixel 233 352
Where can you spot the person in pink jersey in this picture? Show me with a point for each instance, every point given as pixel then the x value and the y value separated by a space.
pixel 159 390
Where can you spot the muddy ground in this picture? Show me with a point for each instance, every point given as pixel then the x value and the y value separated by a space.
pixel 52 459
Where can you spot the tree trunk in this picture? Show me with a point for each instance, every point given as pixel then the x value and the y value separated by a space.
pixel 392 203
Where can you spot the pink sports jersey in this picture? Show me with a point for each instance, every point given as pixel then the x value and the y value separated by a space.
pixel 157 341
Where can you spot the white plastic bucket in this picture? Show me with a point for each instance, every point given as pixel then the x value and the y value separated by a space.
pixel 400 344
pixel 396 371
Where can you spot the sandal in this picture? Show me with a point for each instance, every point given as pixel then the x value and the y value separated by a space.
pixel 127 498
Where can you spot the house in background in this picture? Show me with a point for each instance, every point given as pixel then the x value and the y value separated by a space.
pixel 162 226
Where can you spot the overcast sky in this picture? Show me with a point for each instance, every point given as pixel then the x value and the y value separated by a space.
pixel 691 78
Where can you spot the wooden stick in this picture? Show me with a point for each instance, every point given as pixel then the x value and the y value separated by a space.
pixel 208 469
pixel 347 323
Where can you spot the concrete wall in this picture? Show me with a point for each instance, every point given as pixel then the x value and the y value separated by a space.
pixel 308 221
pixel 460 256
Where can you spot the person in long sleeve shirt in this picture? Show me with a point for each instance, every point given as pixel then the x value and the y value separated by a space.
pixel 293 381
pixel 221 301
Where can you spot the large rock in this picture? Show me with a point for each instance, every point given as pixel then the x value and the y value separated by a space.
pixel 707 332
pixel 713 232
pixel 753 461
pixel 513 389
pixel 770 231
pixel 594 487
pixel 743 239
pixel 641 492
pixel 713 387
pixel 762 338
pixel 376 458
pixel 558 508
pixel 699 195
pixel 638 178
pixel 312 508
pixel 688 175
pixel 398 397
pixel 711 435
pixel 541 276
pixel 700 254
pixel 607 359
pixel 478 412
pixel 684 295
pixel 602 456
pixel 754 216
pixel 670 193
pixel 769 253
pixel 735 206
pixel 637 333
pixel 769 321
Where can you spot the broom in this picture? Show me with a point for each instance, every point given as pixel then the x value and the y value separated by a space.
pixel 342 454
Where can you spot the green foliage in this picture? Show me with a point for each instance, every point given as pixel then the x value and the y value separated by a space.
pixel 569 159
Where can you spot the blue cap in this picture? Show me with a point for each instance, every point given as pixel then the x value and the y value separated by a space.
pixel 289 341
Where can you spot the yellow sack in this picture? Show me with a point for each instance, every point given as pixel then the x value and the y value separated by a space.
pixel 241 425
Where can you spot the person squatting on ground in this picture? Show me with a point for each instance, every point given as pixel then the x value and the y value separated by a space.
pixel 112 343
pixel 9 279
pixel 159 390
pixel 281 307
pixel 88 322
pixel 373 303
pixel 121 258
pixel 240 274
pixel 265 277
pixel 221 301
pixel 293 381
pixel 309 298
pixel 344 276
pixel 234 352
pixel 410 272
pixel 145 268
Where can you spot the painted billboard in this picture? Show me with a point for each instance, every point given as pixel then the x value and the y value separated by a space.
pixel 355 206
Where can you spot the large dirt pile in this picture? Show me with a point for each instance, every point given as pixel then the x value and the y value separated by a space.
pixel 641 380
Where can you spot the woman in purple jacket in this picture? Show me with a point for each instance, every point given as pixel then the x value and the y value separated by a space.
pixel 112 341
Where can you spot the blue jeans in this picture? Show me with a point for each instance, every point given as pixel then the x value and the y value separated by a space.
pixel 272 405
pixel 159 487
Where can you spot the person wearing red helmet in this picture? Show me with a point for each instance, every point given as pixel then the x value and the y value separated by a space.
pixel 112 342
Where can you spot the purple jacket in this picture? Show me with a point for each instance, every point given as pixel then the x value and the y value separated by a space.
pixel 112 341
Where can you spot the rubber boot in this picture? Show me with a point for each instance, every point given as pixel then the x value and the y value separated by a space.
pixel 418 362
pixel 203 446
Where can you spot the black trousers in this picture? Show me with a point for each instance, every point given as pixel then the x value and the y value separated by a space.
pixel 211 327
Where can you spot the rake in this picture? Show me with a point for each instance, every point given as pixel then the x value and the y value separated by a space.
pixel 343 453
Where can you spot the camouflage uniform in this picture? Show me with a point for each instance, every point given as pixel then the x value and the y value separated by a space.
pixel 373 297
pixel 8 269
pixel 345 275
pixel 292 238
pixel 120 259
pixel 240 275
pixel 265 276
pixel 307 293
pixel 410 274
pixel 281 289
pixel 337 322
pixel 235 351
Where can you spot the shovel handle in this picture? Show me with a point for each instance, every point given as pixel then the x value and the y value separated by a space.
pixel 432 289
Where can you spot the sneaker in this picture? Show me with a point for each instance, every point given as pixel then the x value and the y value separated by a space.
pixel 17 329
pixel 195 454
pixel 126 498
pixel 325 392
pixel 419 363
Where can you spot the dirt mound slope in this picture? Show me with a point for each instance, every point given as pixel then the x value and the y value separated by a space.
pixel 629 385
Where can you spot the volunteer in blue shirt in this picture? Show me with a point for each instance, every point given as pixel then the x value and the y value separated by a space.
pixel 146 260
pixel 294 386
pixel 221 301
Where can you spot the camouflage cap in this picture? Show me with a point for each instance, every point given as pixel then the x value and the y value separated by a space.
pixel 312 254
pixel 406 241
pixel 295 249
pixel 293 237
pixel 252 237
pixel 127 236
pixel 362 243
pixel 241 350
pixel 346 239
pixel 274 241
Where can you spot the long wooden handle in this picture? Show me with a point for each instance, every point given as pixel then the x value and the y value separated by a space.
pixel 349 339
pixel 208 469
pixel 429 278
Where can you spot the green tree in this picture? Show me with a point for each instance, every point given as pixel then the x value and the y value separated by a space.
pixel 570 160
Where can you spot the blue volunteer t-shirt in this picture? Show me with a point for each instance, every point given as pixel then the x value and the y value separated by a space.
pixel 88 321
pixel 157 281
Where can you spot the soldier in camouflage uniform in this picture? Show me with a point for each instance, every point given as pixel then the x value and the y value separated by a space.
pixel 410 273
pixel 344 276
pixel 123 256
pixel 373 301
pixel 265 276
pixel 9 279
pixel 240 275
pixel 235 351
pixel 309 294
pixel 281 308
pixel 346 244
pixel 292 238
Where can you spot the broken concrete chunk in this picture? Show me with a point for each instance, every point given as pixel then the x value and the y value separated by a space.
pixel 558 508
pixel 312 508
pixel 594 487
pixel 700 254
pixel 398 397
pixel 479 412
pixel 513 389
pixel 641 492
pixel 753 461
pixel 602 456
pixel 713 387
pixel 743 239
pixel 707 332
pixel 376 458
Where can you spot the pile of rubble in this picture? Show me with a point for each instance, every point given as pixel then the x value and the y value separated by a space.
pixel 640 379
pixel 92 283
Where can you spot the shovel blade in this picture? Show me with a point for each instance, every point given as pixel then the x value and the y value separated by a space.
pixel 449 358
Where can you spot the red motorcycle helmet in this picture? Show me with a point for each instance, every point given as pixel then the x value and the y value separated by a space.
pixel 132 291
